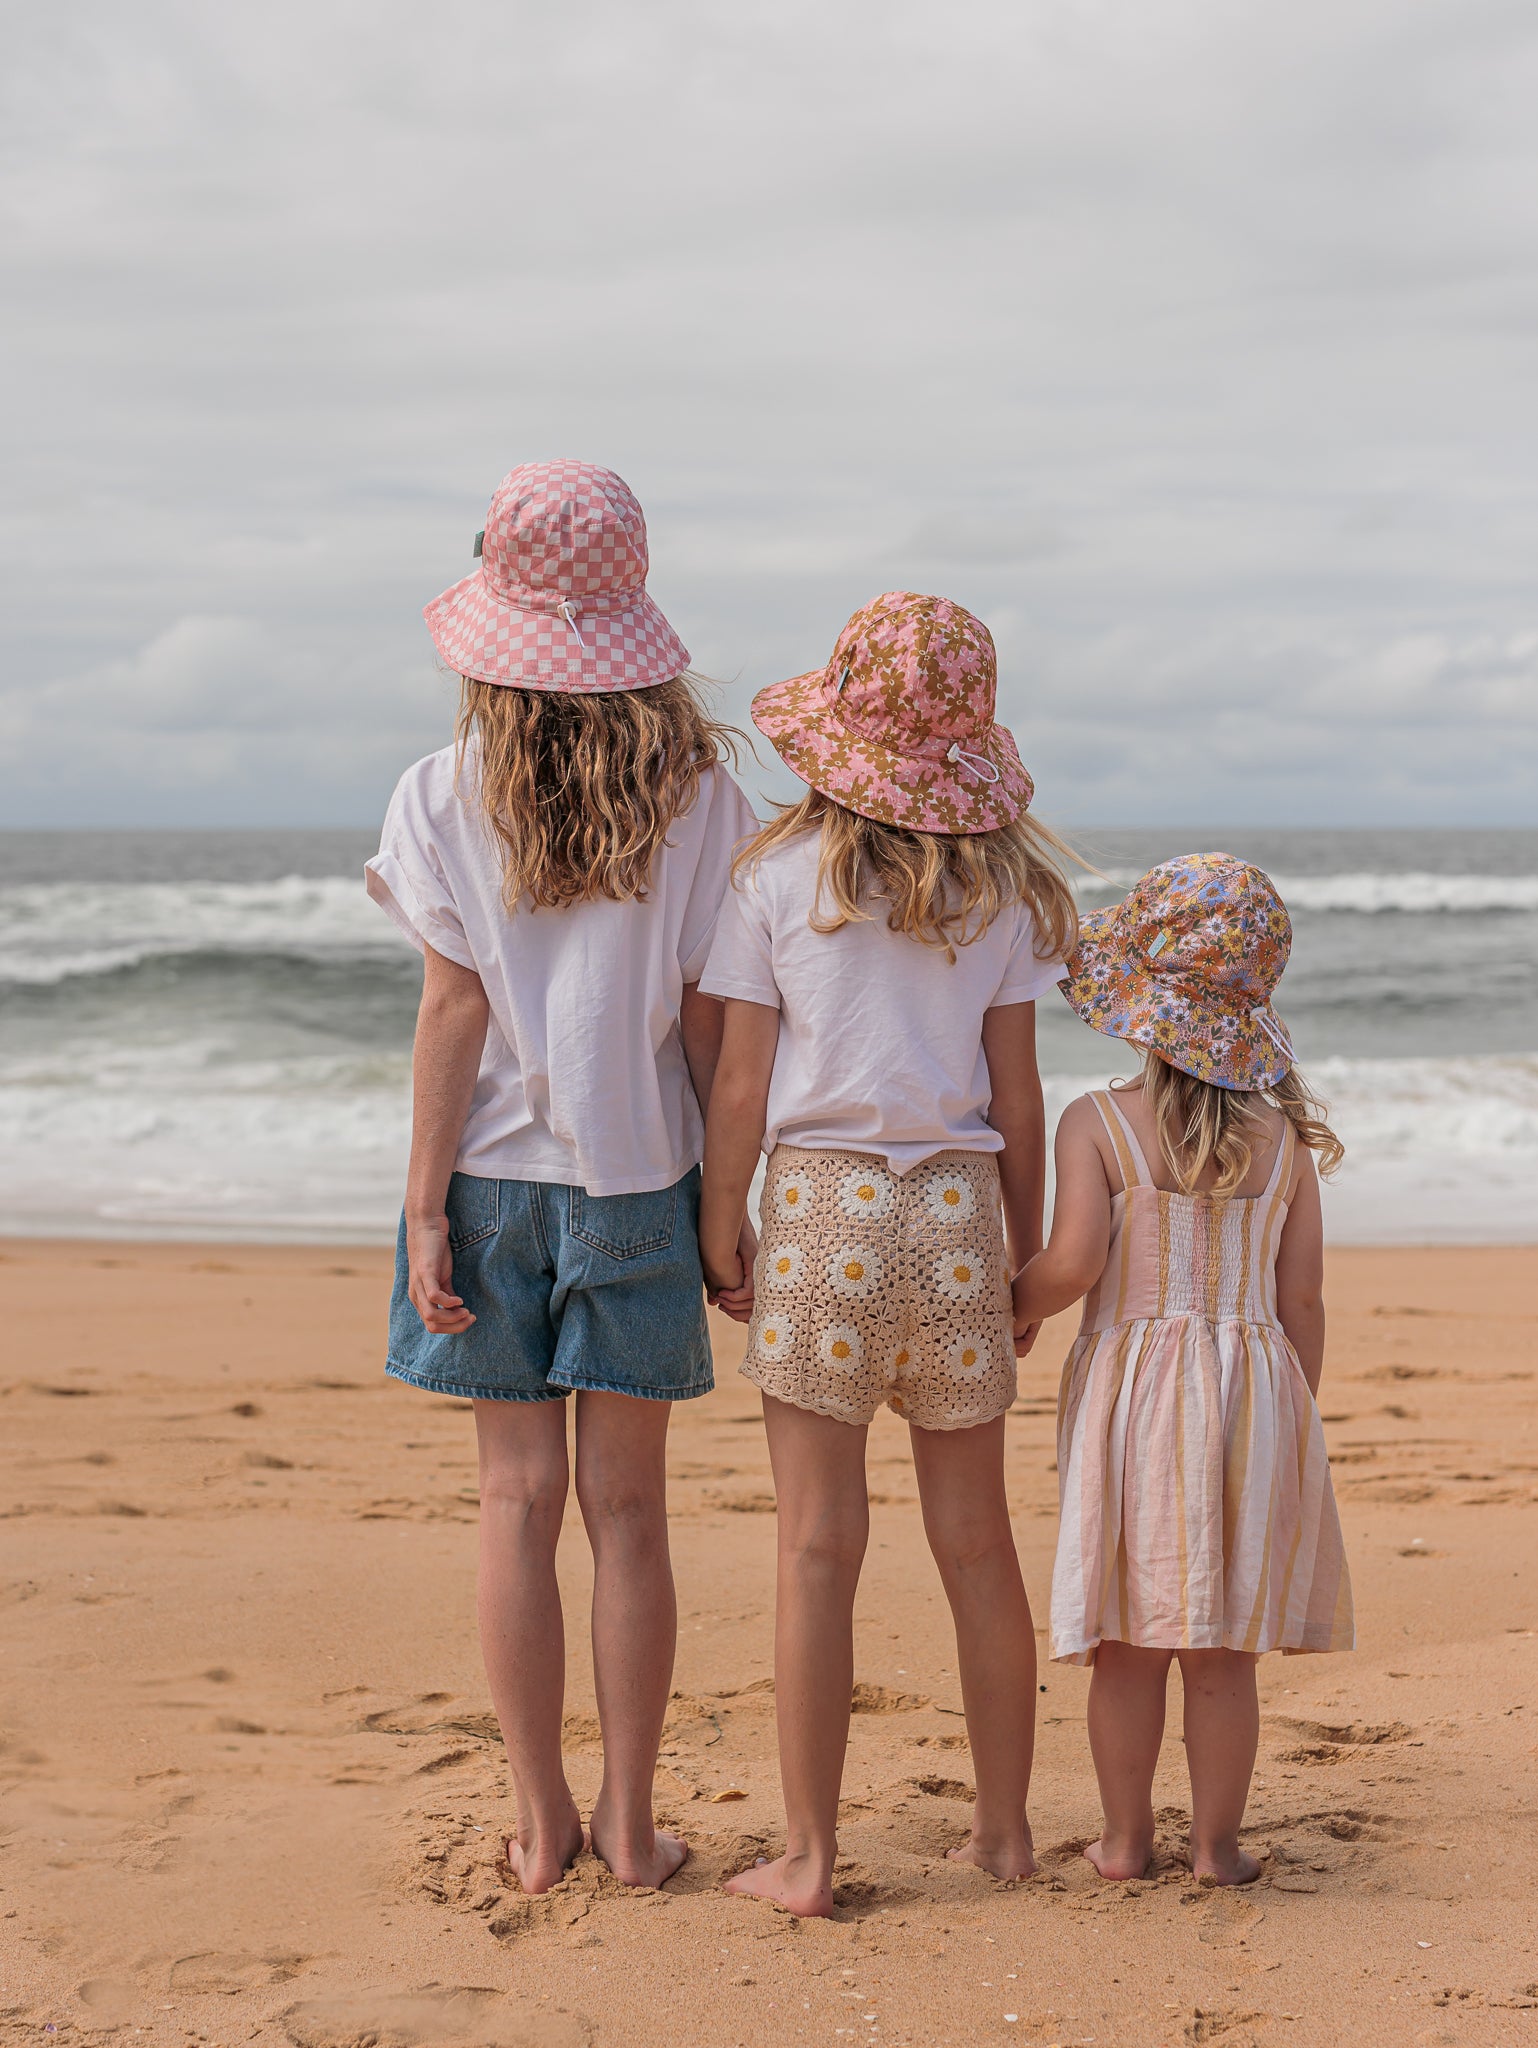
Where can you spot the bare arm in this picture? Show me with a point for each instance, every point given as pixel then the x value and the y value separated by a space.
pixel 1016 1113
pixel 451 1030
pixel 1300 1274
pixel 1081 1224
pixel 700 1019
pixel 734 1137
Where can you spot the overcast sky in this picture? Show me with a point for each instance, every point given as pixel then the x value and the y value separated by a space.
pixel 1192 343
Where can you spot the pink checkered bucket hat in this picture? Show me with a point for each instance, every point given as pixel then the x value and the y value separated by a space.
pixel 899 726
pixel 559 600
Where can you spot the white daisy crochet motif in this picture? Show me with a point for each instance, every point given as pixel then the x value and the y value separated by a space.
pixel 866 1192
pixel 949 1198
pixel 968 1358
pixel 959 1274
pixel 793 1195
pixel 841 1346
pixel 784 1265
pixel 854 1272
pixel 776 1335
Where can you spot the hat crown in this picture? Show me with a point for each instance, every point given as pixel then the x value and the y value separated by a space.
pixel 1210 922
pixel 563 530
pixel 918 673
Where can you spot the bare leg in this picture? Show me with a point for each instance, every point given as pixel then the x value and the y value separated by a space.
pixel 523 1642
pixel 824 1520
pixel 966 1518
pixel 622 1490
pixel 1222 1725
pixel 1126 1726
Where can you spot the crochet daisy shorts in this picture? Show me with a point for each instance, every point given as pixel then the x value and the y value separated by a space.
pixel 875 1287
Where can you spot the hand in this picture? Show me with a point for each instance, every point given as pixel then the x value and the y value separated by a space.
pixel 430 1266
pixel 729 1281
pixel 1026 1325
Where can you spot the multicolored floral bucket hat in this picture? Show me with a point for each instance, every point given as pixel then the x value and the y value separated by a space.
pixel 559 600
pixel 899 725
pixel 1186 963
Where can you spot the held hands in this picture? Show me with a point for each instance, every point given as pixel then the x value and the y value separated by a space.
pixel 1026 1327
pixel 729 1281
pixel 431 1268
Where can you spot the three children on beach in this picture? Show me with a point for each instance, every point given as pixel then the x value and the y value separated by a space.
pixel 624 975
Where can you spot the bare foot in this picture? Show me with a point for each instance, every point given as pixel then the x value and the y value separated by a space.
pixel 790 1882
pixel 1232 1866
pixel 538 1867
pixel 648 1865
pixel 1119 1860
pixel 1010 1858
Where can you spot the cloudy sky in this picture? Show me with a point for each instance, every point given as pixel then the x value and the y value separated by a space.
pixel 1193 343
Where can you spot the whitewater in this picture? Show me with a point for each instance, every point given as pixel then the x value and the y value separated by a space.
pixel 208 1035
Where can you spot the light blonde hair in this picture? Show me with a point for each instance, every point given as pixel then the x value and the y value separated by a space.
pixel 581 789
pixel 942 888
pixel 1200 1124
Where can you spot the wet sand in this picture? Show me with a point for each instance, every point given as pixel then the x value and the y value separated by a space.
pixel 251 1789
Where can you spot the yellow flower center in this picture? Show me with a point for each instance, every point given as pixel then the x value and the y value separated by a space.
pixel 782 1265
pixel 841 1347
pixel 792 1196
pixel 854 1270
pixel 771 1336
pixel 969 1356
pixel 952 1197
pixel 962 1273
pixel 901 1360
pixel 867 1193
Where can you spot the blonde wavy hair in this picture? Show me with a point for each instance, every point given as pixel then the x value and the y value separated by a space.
pixel 581 790
pixel 1200 1124
pixel 942 888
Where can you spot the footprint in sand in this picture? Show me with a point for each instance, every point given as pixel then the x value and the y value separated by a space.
pixel 457 2016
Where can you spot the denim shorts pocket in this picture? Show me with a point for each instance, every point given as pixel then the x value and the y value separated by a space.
pixel 623 1226
pixel 474 1209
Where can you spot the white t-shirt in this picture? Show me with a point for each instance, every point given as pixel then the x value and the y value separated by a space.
pixel 583 1078
pixel 880 1044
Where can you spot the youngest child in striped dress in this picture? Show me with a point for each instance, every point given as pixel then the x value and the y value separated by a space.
pixel 1197 1516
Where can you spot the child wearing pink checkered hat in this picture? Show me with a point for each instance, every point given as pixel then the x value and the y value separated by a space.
pixel 879 961
pixel 561 869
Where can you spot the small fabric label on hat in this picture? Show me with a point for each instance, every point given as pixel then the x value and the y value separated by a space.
pixel 1160 943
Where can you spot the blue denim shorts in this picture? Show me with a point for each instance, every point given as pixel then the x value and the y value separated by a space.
pixel 570 1291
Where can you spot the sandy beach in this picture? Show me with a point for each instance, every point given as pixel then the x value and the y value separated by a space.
pixel 252 1790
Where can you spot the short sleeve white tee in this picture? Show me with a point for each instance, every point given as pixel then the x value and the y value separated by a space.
pixel 880 1046
pixel 583 1078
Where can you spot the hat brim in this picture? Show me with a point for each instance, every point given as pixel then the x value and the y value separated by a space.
pixel 481 636
pixel 1117 992
pixel 918 792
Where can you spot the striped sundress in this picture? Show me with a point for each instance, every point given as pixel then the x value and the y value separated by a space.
pixel 1196 1505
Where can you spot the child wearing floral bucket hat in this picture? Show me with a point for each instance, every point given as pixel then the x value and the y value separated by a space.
pixel 1198 1520
pixel 561 870
pixel 880 960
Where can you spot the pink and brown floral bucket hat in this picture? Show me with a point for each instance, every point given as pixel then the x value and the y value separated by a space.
pixel 558 601
pixel 1186 964
pixel 899 726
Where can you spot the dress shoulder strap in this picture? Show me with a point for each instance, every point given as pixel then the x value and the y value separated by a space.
pixel 1129 1153
pixel 1281 1172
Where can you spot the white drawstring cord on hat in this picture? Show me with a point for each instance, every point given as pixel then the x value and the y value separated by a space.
pixel 975 764
pixel 568 612
pixel 1272 1027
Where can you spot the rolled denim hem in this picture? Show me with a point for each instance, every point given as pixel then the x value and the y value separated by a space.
pixel 457 1393
pixel 689 1393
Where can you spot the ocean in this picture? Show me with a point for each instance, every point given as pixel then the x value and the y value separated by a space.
pixel 208 1034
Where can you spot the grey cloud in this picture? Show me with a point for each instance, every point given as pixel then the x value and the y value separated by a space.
pixel 1190 345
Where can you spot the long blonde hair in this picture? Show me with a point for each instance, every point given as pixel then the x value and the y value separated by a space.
pixel 1200 1124
pixel 581 789
pixel 942 888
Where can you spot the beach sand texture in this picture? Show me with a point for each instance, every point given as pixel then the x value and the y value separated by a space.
pixel 253 1791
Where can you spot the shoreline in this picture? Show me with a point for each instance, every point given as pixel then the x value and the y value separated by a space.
pixel 254 1791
